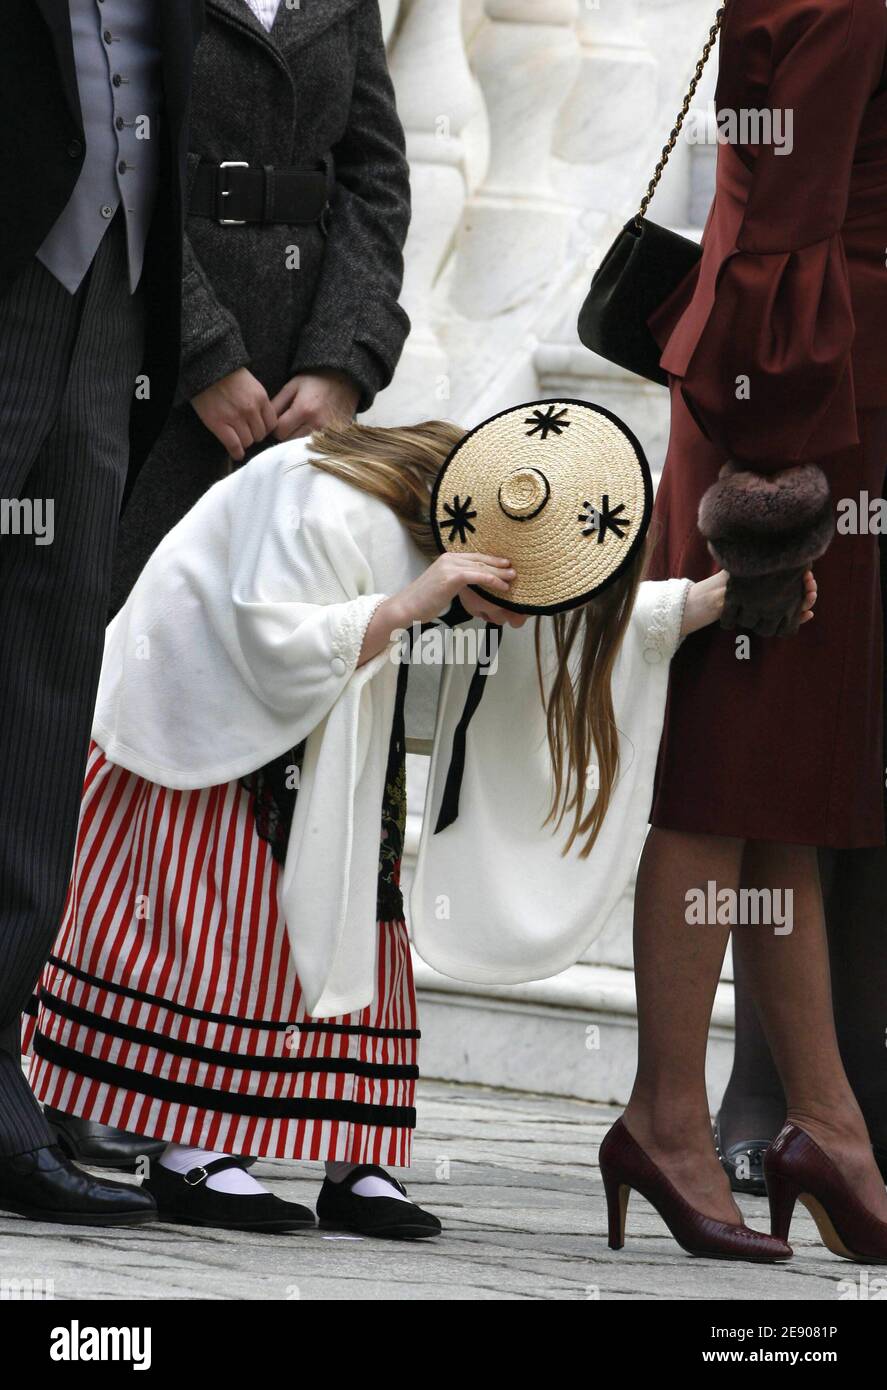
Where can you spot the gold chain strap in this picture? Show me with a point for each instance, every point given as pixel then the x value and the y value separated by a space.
pixel 673 138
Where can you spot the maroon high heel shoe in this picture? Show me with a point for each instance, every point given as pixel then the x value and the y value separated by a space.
pixel 624 1166
pixel 796 1169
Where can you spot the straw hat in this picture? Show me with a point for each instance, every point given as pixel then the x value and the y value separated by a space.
pixel 560 488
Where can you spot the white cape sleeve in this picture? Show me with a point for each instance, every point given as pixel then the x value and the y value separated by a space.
pixel 241 639
pixel 242 631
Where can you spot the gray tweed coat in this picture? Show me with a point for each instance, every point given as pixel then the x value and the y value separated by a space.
pixel 315 87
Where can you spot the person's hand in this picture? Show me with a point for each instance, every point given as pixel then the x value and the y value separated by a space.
pixel 312 401
pixel 705 601
pixel 768 605
pixel 433 592
pixel 236 409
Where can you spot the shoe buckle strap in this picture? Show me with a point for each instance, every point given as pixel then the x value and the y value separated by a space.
pixel 372 1170
pixel 195 1176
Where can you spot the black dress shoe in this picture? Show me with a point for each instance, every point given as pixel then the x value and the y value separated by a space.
pixel 90 1142
pixel 103 1146
pixel 185 1199
pixel 744 1164
pixel 339 1208
pixel 45 1186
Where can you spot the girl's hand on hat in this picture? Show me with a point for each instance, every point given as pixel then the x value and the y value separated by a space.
pixel 432 594
pixel 705 601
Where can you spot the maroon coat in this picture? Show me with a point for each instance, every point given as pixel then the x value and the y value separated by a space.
pixel 777 349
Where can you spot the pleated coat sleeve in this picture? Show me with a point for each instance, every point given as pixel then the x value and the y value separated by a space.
pixel 762 347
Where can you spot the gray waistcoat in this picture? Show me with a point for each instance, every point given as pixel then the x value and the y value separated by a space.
pixel 116 49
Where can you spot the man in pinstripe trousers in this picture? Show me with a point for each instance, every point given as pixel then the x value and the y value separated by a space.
pixel 93 97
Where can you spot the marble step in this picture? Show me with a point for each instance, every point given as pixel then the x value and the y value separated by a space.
pixel 573 1035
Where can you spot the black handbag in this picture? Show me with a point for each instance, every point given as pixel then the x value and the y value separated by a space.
pixel 645 264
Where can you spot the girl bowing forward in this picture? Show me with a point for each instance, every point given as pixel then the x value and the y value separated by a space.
pixel 232 974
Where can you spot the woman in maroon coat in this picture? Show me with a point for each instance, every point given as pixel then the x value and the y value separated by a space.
pixel 777 350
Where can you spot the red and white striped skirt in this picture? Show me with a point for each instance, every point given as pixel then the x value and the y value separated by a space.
pixel 170 1006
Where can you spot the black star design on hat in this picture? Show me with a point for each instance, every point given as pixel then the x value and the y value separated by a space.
pixel 460 519
pixel 547 422
pixel 607 519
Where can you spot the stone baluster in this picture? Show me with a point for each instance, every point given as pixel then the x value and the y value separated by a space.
pixel 389 10
pixel 515 229
pixel 436 97
pixel 607 127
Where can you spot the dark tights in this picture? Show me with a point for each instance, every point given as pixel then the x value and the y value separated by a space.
pixel 854 885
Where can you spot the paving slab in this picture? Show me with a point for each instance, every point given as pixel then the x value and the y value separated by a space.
pixel 515 1181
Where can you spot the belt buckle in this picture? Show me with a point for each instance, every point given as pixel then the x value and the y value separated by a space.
pixel 226 193
pixel 195 1176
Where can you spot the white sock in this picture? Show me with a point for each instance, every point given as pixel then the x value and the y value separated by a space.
pixel 370 1186
pixel 180 1159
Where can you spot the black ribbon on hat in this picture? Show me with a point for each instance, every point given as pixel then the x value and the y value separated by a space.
pixel 449 806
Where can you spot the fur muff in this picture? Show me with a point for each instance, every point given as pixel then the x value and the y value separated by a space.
pixel 757 523
pixel 749 556
pixel 742 500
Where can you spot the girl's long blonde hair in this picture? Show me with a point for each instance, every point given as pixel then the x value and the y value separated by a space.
pixel 399 466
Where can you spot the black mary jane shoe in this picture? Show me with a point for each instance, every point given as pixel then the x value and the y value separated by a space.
pixel 105 1147
pixel 340 1208
pixel 743 1163
pixel 185 1199
pixel 43 1185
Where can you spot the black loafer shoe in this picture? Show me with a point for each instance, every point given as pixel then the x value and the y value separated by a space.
pixel 89 1142
pixel 744 1164
pixel 185 1199
pixel 339 1208
pixel 45 1186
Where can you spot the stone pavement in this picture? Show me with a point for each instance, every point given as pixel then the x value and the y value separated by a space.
pixel 513 1178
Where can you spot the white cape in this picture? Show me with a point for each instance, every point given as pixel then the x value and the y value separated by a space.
pixel 241 639
pixel 494 900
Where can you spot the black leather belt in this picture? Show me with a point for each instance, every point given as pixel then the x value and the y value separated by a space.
pixel 233 193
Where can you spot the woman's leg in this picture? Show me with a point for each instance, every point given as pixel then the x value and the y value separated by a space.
pixel 790 981
pixel 854 891
pixel 752 1108
pixel 855 898
pixel 677 967
pixel 753 1105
